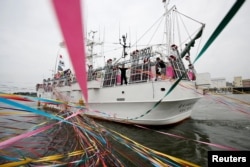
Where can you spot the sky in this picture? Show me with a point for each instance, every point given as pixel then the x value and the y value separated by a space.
pixel 30 35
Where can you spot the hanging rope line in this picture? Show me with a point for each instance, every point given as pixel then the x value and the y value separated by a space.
pixel 158 102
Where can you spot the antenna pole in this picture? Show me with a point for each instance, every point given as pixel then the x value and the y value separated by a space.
pixel 124 45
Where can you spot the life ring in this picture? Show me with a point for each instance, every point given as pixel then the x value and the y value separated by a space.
pixel 174 47
pixel 190 66
pixel 172 57
pixel 109 60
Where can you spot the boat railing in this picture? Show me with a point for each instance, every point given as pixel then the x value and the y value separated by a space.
pixel 92 75
pixel 140 73
pixel 110 77
pixel 139 70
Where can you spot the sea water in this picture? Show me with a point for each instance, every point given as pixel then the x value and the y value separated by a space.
pixel 222 121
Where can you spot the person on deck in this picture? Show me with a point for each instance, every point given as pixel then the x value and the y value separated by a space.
pixel 160 64
pixel 123 74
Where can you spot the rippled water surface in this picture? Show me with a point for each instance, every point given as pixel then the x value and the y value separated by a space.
pixel 222 122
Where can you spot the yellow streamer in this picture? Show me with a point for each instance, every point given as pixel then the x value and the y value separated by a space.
pixel 19 163
pixel 181 161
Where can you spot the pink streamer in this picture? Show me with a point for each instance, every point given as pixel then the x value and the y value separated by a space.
pixel 118 79
pixel 70 20
pixel 15 139
pixel 182 137
pixel 12 140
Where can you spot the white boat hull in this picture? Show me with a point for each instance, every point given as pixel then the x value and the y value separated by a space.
pixel 144 113
pixel 136 103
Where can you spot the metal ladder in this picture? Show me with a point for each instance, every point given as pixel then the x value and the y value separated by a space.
pixel 179 68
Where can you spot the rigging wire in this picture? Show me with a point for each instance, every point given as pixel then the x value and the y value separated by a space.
pixel 148 30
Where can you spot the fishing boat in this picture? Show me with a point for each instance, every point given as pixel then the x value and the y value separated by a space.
pixel 154 84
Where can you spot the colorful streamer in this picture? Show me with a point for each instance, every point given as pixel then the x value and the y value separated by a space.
pixel 86 143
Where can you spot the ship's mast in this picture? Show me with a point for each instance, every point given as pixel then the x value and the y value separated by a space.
pixel 124 45
pixel 167 33
pixel 91 44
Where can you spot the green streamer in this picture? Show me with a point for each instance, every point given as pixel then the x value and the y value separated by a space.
pixel 158 102
pixel 221 26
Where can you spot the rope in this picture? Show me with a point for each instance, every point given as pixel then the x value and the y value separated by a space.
pixel 158 102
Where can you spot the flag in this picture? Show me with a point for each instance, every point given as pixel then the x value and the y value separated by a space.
pixel 62 44
pixel 59 68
